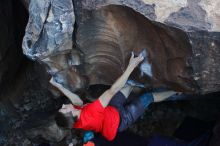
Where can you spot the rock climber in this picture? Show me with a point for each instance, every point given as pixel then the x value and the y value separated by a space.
pixel 110 113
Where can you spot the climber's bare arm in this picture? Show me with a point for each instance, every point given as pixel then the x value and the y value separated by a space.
pixel 74 98
pixel 120 82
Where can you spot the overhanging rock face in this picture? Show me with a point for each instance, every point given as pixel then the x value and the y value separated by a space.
pixel 112 32
pixel 182 52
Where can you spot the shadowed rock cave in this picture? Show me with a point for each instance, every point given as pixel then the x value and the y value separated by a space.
pixel 102 41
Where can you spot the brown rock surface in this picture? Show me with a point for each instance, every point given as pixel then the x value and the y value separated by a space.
pixel 109 35
pixel 107 31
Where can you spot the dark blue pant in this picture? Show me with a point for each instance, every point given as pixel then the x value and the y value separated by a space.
pixel 130 112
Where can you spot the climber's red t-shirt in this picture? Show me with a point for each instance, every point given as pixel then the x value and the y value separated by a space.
pixel 95 117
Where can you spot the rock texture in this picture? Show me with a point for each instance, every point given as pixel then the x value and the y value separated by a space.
pixel 185 14
pixel 176 36
pixel 112 32
pixel 45 130
pixel 50 29
pixel 27 117
pixel 205 60
pixel 15 105
pixel 48 39
pixel 107 31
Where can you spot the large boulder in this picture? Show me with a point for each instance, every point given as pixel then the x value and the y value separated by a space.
pixel 173 35
pixel 185 14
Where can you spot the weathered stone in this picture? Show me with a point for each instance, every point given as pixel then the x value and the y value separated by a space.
pixel 213 13
pixel 185 14
pixel 49 34
pixel 190 17
pixel 107 33
pixel 46 130
pixel 63 60
pixel 205 60
pixel 49 28
pixel 71 79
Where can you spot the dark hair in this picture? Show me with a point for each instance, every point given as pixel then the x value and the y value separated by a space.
pixel 65 120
